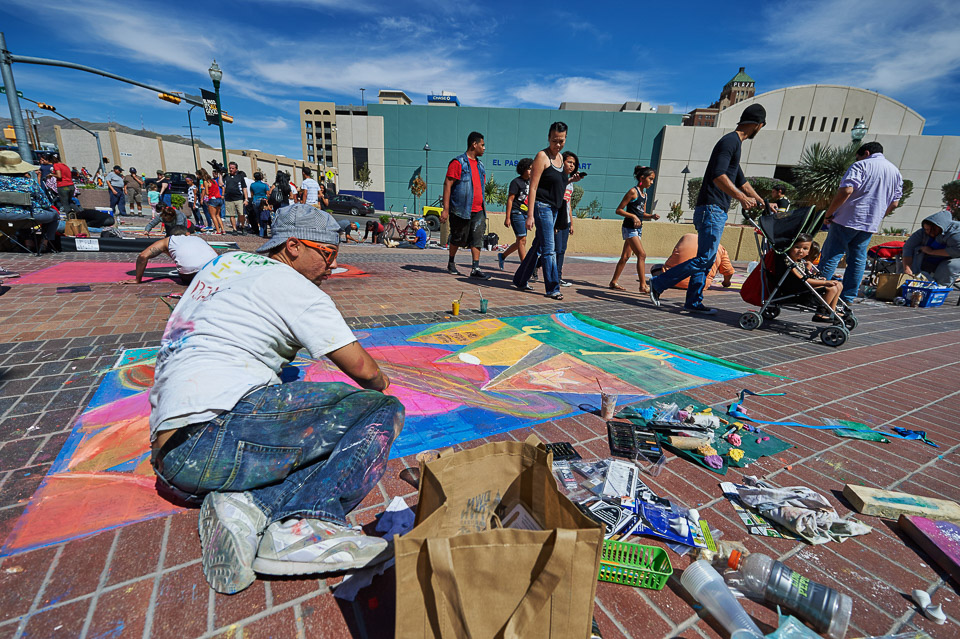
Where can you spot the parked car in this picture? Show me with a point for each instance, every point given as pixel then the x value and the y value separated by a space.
pixel 350 204
pixel 178 181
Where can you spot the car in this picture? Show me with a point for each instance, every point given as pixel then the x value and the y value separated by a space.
pixel 350 204
pixel 178 181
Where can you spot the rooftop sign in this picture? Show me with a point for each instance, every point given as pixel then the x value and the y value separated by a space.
pixel 443 98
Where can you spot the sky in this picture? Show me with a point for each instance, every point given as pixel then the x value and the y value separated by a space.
pixel 499 54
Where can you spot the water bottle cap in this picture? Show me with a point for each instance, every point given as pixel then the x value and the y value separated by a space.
pixel 733 563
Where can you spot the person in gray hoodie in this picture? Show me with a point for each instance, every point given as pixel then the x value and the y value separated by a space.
pixel 934 250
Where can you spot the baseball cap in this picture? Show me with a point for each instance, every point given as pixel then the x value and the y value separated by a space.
pixel 117 166
pixel 753 114
pixel 304 222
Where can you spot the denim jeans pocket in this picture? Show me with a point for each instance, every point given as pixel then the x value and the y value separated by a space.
pixel 259 465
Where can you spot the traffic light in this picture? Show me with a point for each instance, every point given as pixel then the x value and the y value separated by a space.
pixel 166 97
pixel 227 118
pixel 48 107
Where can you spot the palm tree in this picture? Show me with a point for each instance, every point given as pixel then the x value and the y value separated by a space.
pixel 820 170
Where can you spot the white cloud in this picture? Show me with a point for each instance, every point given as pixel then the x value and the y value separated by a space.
pixel 888 46
pixel 616 87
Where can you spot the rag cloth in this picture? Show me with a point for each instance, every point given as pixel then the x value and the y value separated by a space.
pixel 801 510
pixel 396 520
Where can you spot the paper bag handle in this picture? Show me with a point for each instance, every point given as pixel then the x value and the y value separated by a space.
pixel 446 588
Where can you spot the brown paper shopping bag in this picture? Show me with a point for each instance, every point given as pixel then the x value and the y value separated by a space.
pixel 75 227
pixel 889 284
pixel 461 574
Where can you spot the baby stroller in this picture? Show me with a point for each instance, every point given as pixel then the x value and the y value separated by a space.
pixel 777 233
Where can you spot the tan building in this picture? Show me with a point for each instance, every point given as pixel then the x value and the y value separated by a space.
pixel 739 88
pixel 318 134
pixel 393 96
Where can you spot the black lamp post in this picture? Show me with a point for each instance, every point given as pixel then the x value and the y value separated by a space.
pixel 216 74
pixel 683 190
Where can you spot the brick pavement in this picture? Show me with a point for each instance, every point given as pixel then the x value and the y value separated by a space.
pixel 144 580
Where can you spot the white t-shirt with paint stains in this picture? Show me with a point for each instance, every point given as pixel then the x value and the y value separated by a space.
pixel 243 317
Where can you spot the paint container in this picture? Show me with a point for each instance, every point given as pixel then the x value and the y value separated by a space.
pixel 483 305
pixel 608 405
pixel 456 307
pixel 427 456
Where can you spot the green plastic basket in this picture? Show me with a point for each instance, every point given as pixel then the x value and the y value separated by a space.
pixel 634 565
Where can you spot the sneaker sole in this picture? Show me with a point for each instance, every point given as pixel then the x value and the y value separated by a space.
pixel 280 567
pixel 222 566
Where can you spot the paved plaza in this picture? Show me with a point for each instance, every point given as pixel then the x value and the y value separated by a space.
pixel 900 367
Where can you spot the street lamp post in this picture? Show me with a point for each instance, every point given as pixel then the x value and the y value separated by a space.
pixel 19 129
pixel 361 96
pixel 683 189
pixel 193 148
pixel 426 172
pixel 858 131
pixel 216 74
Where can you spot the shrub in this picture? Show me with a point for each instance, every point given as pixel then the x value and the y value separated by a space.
pixel 676 212
pixel 951 198
pixel 177 200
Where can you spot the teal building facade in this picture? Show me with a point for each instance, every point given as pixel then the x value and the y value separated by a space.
pixel 609 145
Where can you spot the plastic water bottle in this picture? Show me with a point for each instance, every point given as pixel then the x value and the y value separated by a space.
pixel 705 584
pixel 827 610
pixel 752 265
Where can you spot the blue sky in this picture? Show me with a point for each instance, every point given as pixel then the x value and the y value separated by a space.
pixel 509 54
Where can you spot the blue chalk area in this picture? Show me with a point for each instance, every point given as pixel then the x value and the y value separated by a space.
pixel 682 363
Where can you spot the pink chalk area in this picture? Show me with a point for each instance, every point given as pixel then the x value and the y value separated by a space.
pixel 91 273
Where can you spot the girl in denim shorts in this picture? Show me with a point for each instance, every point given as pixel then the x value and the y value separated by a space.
pixel 633 208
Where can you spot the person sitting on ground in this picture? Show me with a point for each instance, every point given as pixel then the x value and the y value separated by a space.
pixel 170 217
pixel 793 284
pixel 346 228
pixel 934 250
pixel 686 249
pixel 277 465
pixel 189 253
pixel 421 242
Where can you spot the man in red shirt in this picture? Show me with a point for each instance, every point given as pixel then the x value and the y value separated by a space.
pixel 463 191
pixel 64 185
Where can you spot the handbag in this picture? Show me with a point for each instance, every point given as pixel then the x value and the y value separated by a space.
pixel 75 227
pixel 466 570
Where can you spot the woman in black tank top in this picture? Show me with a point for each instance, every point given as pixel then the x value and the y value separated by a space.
pixel 633 208
pixel 547 184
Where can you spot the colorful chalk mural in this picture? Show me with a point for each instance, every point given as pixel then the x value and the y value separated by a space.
pixel 458 381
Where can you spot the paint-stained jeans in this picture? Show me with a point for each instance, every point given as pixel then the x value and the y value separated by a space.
pixel 542 252
pixel 306 449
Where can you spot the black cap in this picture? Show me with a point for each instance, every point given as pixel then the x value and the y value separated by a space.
pixel 753 114
pixel 117 166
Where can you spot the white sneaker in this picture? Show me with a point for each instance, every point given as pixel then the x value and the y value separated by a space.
pixel 230 526
pixel 311 546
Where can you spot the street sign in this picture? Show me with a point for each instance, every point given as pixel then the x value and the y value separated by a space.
pixel 4 90
pixel 210 106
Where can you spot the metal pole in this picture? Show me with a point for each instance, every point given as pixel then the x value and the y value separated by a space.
pixel 223 143
pixel 103 169
pixel 25 59
pixel 426 166
pixel 23 143
pixel 193 148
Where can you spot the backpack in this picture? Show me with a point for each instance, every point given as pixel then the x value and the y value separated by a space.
pixel 490 241
pixel 277 198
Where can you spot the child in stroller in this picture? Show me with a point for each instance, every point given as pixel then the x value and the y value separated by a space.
pixel 800 279
pixel 786 280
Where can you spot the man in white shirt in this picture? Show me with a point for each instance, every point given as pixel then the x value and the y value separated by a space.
pixel 189 253
pixel 310 190
pixel 277 465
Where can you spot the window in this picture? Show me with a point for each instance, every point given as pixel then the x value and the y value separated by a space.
pixel 310 158
pixel 309 136
pixel 790 125
pixel 823 124
pixel 813 122
pixel 845 122
pixel 800 127
pixel 308 112
pixel 833 128
pixel 360 157
pixel 309 125
pixel 325 112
